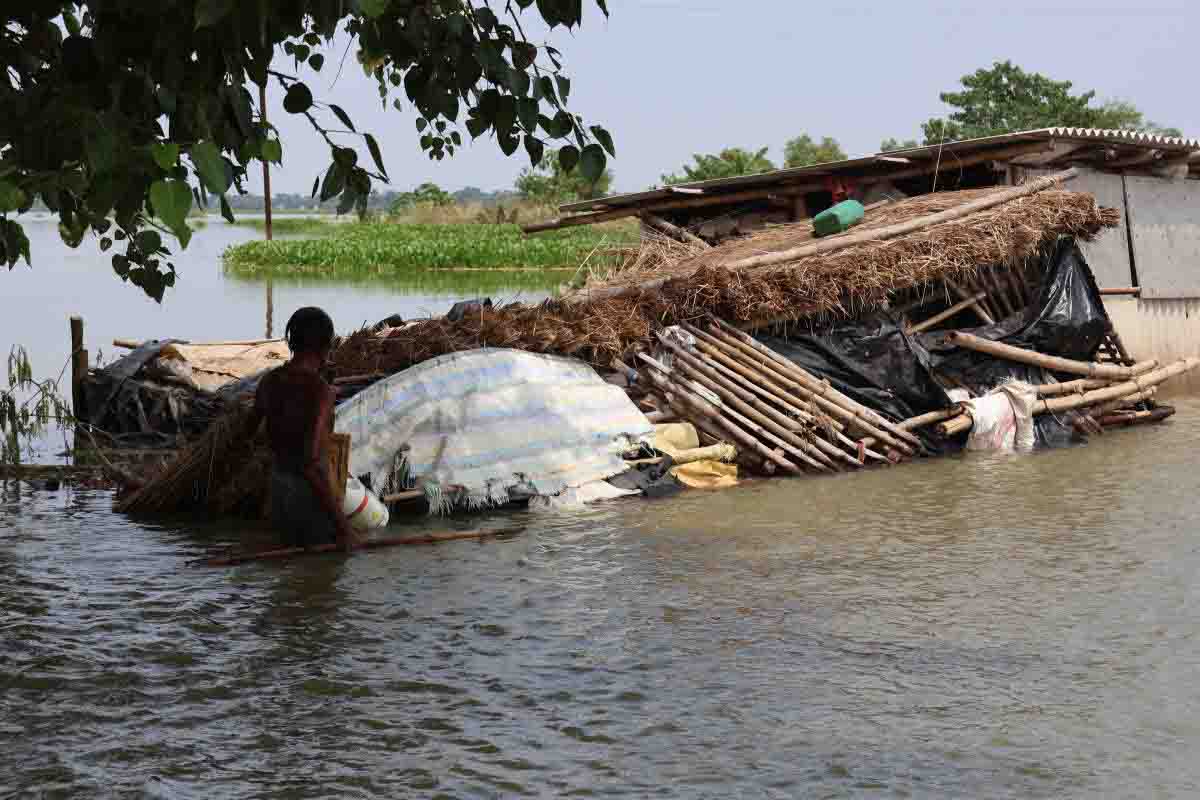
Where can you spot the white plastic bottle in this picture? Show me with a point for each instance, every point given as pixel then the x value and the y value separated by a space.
pixel 362 509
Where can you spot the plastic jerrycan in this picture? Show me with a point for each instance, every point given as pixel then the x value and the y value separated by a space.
pixel 362 509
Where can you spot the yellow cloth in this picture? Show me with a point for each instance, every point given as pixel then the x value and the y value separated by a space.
pixel 707 475
pixel 671 437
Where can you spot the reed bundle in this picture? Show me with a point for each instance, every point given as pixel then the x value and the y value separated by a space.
pixel 222 471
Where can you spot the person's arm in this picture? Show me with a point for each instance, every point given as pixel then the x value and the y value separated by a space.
pixel 316 471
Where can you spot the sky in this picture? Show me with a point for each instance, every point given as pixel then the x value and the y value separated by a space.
pixel 670 78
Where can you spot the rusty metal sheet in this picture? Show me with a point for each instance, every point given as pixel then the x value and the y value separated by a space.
pixel 1108 255
pixel 1164 219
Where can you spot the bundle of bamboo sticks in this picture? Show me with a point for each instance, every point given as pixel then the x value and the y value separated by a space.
pixel 779 415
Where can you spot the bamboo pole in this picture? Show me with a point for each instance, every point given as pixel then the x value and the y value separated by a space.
pixel 976 306
pixel 1023 356
pixel 824 245
pixel 906 227
pixel 947 314
pixel 1119 391
pixel 1124 402
pixel 371 544
pixel 751 405
pixel 693 405
pixel 913 423
pixel 79 367
pixel 817 387
pixel 737 417
pixel 997 291
pixel 712 344
pixel 1136 417
pixel 1087 384
pixel 674 231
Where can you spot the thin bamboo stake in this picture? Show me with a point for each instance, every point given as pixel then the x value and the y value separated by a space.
pixel 997 292
pixel 781 424
pixel 817 387
pixel 1018 272
pixel 1124 402
pixel 947 314
pixel 694 405
pixel 742 420
pixel 1023 356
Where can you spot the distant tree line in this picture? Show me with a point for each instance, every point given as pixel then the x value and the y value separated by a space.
pixel 1001 99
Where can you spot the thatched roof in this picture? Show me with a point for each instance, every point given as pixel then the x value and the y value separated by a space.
pixel 842 283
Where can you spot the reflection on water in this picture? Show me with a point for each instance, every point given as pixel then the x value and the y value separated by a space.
pixel 205 304
pixel 1022 626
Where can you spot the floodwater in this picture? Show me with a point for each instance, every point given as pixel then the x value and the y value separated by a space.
pixel 983 626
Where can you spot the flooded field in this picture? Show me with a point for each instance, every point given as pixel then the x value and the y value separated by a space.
pixel 985 626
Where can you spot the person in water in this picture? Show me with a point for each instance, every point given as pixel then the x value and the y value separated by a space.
pixel 297 405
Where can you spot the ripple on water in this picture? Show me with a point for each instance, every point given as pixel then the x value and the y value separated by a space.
pixel 981 626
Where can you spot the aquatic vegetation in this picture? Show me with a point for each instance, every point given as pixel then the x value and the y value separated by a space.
pixel 365 248
pixel 292 225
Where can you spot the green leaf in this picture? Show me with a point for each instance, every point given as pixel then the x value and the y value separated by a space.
pixel 298 99
pixel 166 155
pixel 527 113
pixel 12 197
pixel 535 149
pixel 272 151
pixel 335 181
pixel 422 123
pixel 562 125
pixel 376 155
pixel 508 142
pixel 206 157
pixel 316 185
pixel 148 241
pixel 485 17
pixel 564 86
pixel 604 138
pixel 592 162
pixel 226 211
pixel 373 8
pixel 210 12
pixel 477 127
pixel 316 61
pixel 523 55
pixel 342 116
pixel 568 157
pixel 518 82
pixel 171 200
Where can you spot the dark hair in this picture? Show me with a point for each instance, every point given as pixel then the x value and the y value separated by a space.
pixel 310 329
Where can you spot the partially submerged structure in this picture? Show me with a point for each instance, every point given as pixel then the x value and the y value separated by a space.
pixel 1147 267
pixel 941 317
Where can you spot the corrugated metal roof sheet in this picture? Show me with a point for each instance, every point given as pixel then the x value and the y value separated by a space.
pixel 1132 139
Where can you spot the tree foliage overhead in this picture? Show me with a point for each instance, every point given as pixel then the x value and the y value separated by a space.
pixel 729 163
pixel 121 115
pixel 549 183
pixel 1006 98
pixel 803 151
pixel 892 143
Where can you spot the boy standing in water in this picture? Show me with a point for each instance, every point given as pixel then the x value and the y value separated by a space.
pixel 298 407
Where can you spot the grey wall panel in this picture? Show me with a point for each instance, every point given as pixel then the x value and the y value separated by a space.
pixel 1108 255
pixel 1164 216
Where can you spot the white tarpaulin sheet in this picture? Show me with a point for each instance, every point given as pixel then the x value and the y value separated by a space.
pixel 493 419
pixel 1003 418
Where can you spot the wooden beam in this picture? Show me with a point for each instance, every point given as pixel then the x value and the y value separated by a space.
pixel 674 231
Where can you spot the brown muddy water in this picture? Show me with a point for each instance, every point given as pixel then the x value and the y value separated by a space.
pixel 1020 626
pixel 983 626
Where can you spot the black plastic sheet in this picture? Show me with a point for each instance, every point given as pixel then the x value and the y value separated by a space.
pixel 873 360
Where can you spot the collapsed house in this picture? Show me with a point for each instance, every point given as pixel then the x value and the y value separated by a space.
pixel 965 318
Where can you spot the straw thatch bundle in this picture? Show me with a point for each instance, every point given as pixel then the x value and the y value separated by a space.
pixel 223 471
pixel 819 288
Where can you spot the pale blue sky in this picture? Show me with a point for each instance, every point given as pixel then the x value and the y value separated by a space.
pixel 670 78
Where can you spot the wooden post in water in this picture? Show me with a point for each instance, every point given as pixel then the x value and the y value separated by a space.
pixel 79 368
pixel 262 110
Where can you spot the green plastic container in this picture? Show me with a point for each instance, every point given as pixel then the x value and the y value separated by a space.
pixel 836 219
